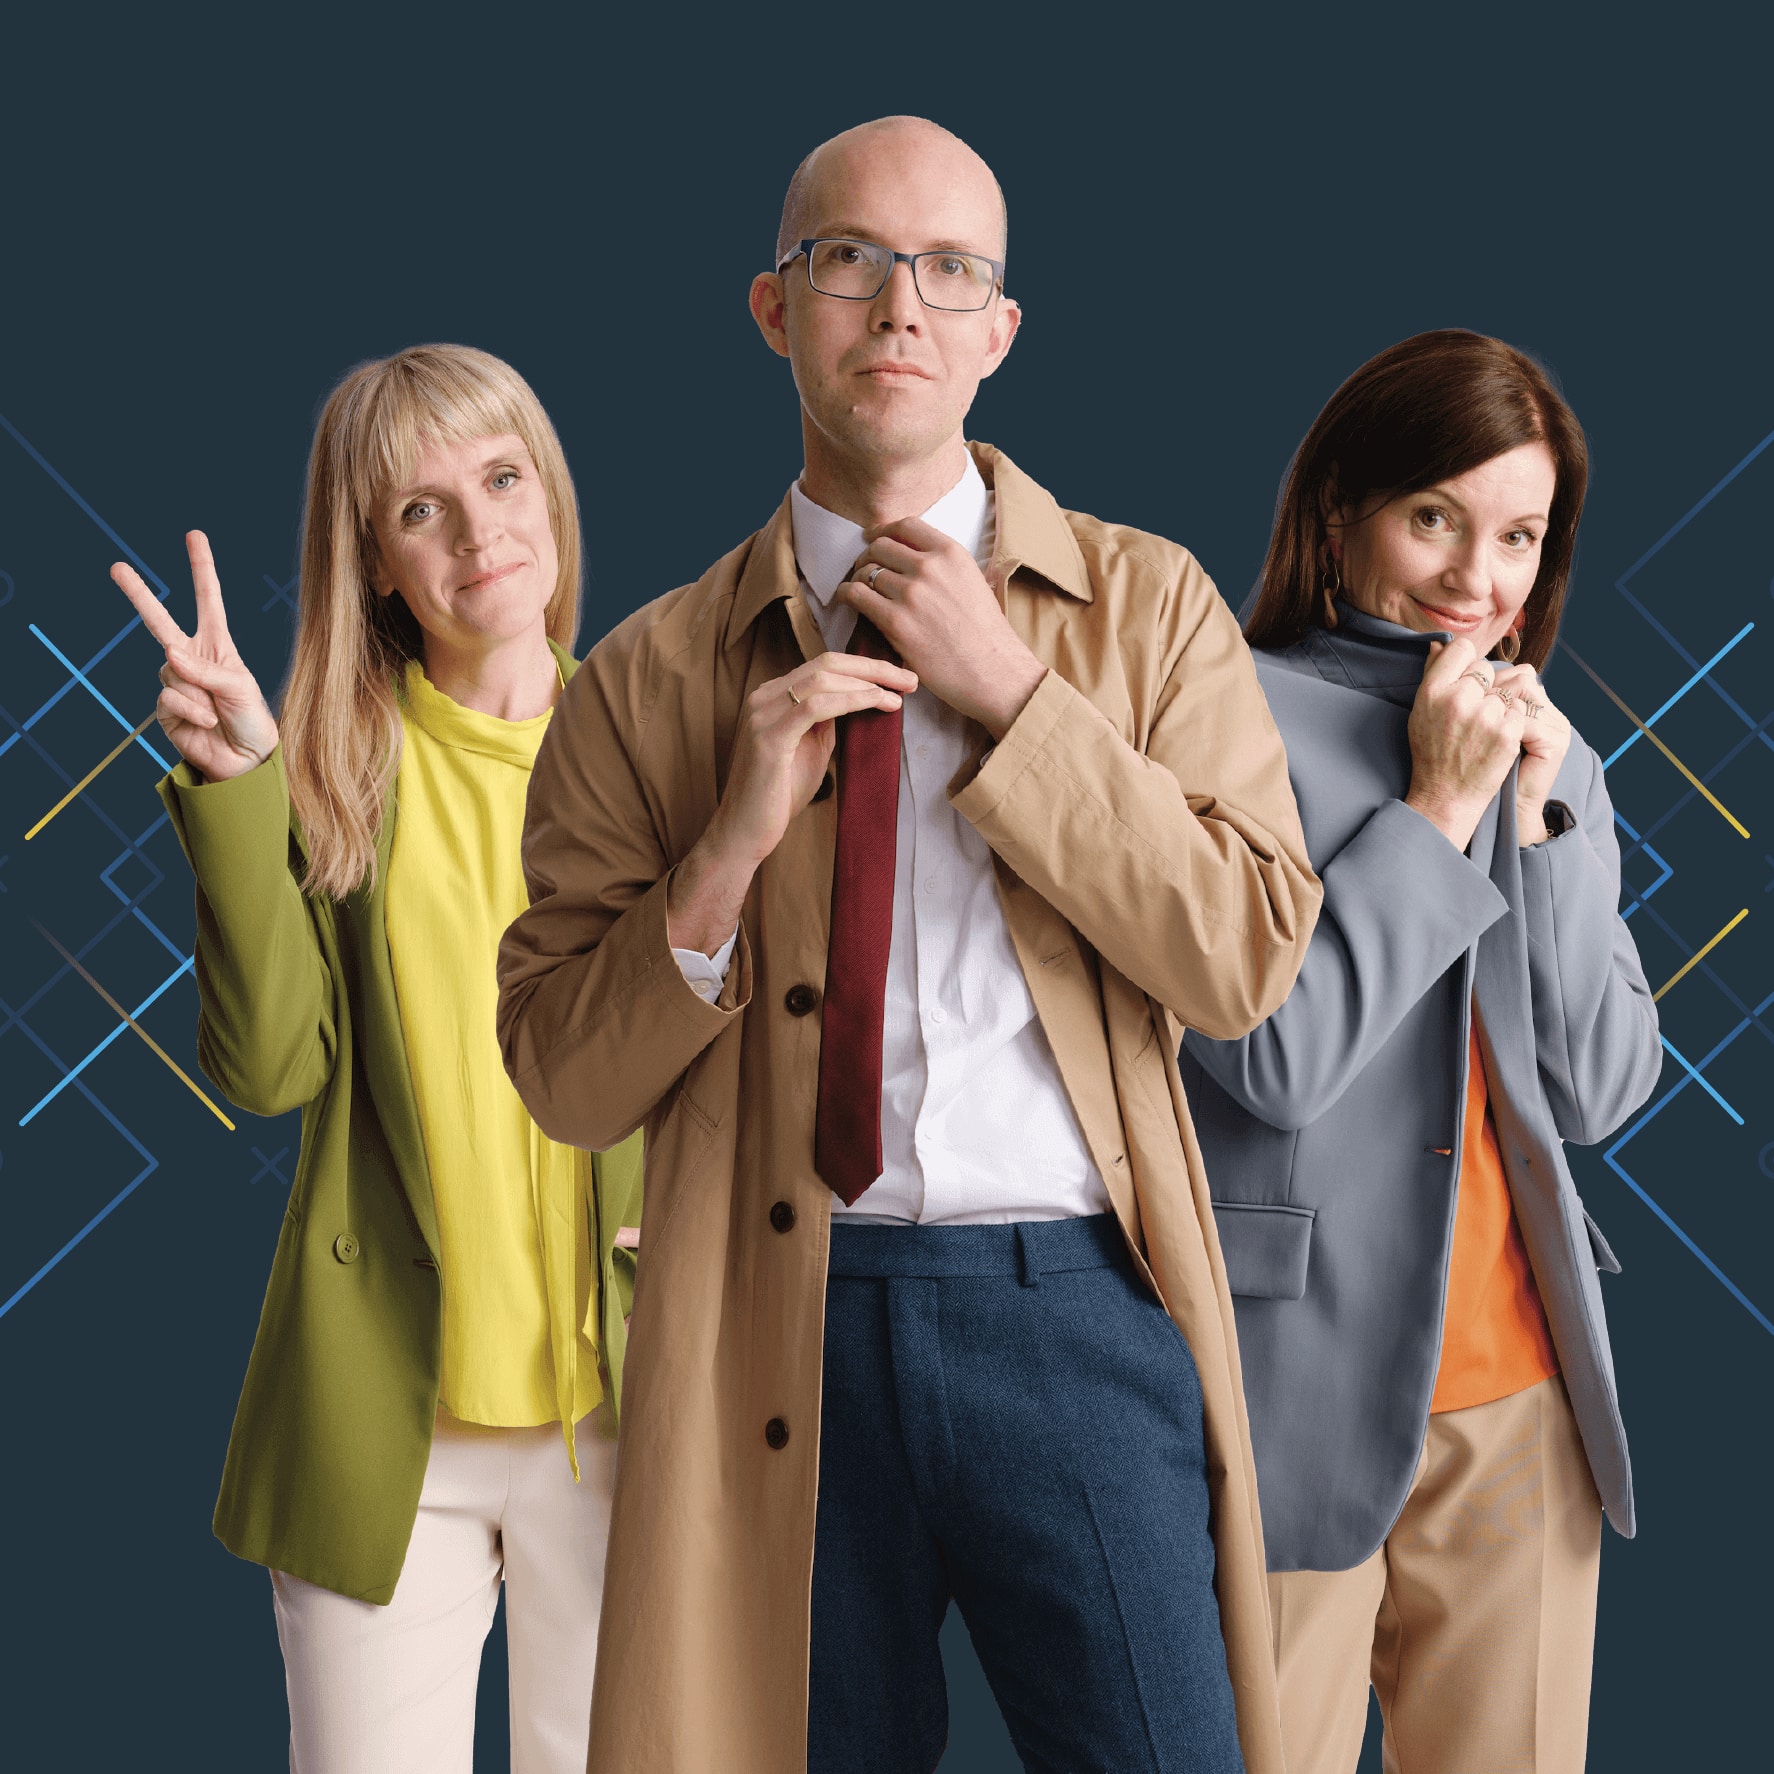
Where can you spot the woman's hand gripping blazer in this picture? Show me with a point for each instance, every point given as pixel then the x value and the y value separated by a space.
pixel 1332 1132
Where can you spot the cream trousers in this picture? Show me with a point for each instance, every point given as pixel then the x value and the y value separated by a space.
pixel 376 1690
pixel 1475 1621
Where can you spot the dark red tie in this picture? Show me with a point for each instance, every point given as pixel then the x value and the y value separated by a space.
pixel 847 1129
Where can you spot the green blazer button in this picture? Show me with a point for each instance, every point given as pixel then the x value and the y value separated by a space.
pixel 345 1248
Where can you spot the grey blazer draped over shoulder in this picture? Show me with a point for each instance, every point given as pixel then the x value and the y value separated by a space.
pixel 1332 1132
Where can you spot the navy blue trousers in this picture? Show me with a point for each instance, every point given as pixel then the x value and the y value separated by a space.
pixel 1011 1420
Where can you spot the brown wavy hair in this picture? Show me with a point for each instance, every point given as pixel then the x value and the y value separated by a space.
pixel 1424 411
pixel 340 716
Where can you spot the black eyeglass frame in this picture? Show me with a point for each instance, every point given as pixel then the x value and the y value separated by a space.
pixel 806 247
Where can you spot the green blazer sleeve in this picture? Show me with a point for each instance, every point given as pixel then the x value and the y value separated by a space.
pixel 616 1185
pixel 266 1031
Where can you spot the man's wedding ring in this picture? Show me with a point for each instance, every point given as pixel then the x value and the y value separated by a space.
pixel 873 573
pixel 791 695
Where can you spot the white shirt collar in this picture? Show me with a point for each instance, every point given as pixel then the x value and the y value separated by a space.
pixel 826 545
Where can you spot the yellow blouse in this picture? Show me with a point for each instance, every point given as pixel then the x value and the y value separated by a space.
pixel 519 1301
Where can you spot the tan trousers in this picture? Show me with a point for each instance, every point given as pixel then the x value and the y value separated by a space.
pixel 1475 1621
pixel 376 1690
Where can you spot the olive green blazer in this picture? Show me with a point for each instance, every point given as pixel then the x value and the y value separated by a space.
pixel 298 1010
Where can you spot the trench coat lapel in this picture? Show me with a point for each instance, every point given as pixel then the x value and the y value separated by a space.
pixel 1036 556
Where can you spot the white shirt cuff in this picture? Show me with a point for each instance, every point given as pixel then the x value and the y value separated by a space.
pixel 706 974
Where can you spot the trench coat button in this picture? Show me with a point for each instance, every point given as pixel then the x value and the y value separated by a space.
pixel 345 1248
pixel 826 785
pixel 782 1217
pixel 799 1000
pixel 776 1433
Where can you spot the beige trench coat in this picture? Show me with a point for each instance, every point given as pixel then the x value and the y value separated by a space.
pixel 1152 869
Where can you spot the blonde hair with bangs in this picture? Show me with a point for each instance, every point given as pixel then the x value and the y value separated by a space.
pixel 340 717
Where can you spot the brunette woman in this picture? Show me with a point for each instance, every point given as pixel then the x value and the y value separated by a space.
pixel 430 1406
pixel 1425 1360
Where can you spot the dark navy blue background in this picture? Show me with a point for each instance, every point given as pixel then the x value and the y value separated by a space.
pixel 209 215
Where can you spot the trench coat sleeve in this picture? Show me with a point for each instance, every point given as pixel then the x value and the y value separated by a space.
pixel 596 1020
pixel 1595 1025
pixel 1401 906
pixel 265 1026
pixel 1182 862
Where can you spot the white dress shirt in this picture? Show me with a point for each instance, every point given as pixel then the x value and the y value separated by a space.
pixel 976 1126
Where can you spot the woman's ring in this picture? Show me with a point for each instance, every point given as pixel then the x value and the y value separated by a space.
pixel 1478 671
pixel 1503 696
pixel 1530 709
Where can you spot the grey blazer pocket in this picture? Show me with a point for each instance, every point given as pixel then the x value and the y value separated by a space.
pixel 1266 1248
pixel 1600 1249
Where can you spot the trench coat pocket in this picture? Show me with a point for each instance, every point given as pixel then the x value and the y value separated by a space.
pixel 1600 1249
pixel 1266 1248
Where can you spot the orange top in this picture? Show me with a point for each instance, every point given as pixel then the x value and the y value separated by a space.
pixel 1494 1339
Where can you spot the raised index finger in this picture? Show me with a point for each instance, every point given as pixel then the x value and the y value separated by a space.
pixel 212 619
pixel 147 606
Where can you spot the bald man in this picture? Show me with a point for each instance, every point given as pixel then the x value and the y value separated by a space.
pixel 876 875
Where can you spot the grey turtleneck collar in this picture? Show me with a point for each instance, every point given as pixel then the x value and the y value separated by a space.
pixel 1366 653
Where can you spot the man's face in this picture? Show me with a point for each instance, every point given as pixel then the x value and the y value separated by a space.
pixel 891 378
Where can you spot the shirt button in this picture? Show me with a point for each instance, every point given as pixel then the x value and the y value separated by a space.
pixel 923 751
pixel 799 1000
pixel 345 1248
pixel 930 884
pixel 776 1433
pixel 939 1015
pixel 782 1216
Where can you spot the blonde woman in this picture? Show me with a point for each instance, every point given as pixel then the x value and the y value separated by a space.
pixel 430 1405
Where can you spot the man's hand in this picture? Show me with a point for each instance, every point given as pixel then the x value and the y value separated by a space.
pixel 1465 732
pixel 930 599
pixel 780 753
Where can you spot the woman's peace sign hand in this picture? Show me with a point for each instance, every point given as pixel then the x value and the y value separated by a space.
pixel 210 707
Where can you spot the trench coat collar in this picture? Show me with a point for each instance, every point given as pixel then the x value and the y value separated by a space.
pixel 1032 534
pixel 1370 654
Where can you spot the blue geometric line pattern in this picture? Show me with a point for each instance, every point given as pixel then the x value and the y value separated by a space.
pixel 98 696
pixel 141 566
pixel 1651 721
pixel 272 1166
pixel 1640 842
pixel 68 1077
pixel 150 1164
pixel 1699 1078
pixel 24 740
pixel 1611 1158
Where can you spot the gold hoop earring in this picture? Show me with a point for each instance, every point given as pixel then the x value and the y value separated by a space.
pixel 1509 648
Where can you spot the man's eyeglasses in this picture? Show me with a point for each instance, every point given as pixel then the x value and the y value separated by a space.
pixel 857 271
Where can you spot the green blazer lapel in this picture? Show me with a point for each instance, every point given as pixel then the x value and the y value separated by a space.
pixel 381 1042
